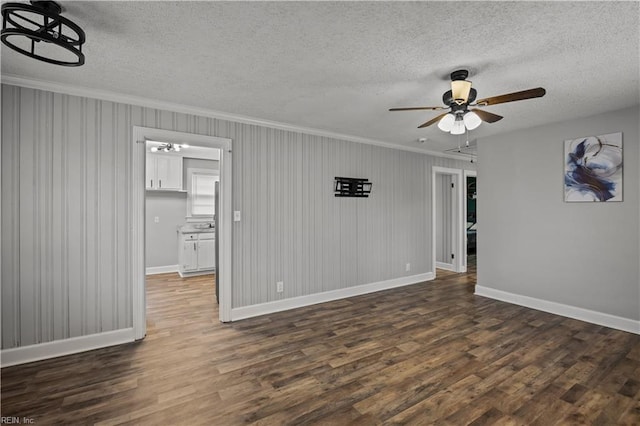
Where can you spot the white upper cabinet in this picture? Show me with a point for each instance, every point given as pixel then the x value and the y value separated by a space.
pixel 164 172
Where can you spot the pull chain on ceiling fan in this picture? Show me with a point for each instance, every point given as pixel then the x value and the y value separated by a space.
pixel 460 117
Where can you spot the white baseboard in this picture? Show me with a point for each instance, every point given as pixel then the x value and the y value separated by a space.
pixel 40 351
pixel 445 266
pixel 327 296
pixel 197 273
pixel 153 270
pixel 594 317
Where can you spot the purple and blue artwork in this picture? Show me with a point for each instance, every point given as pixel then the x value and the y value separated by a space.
pixel 593 168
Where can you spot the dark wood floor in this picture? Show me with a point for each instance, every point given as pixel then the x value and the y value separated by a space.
pixel 430 353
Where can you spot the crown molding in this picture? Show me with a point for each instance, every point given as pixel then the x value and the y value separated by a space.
pixel 68 89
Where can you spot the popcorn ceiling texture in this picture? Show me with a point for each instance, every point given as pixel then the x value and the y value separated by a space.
pixel 339 66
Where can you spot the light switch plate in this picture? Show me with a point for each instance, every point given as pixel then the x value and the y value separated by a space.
pixel 236 215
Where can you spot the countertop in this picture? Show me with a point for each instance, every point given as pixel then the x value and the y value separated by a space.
pixel 190 229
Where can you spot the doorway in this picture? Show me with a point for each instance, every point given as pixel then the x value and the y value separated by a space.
pixel 471 227
pixel 223 233
pixel 447 219
pixel 180 231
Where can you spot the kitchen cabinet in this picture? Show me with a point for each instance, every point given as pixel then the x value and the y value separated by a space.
pixel 197 254
pixel 164 172
pixel 189 261
pixel 206 251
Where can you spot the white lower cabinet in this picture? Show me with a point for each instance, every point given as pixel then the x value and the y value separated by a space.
pixel 197 253
pixel 206 253
pixel 189 260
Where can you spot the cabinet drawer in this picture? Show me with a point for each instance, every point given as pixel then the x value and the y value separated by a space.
pixel 206 236
pixel 190 237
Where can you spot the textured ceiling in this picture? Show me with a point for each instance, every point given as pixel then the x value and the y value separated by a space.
pixel 339 66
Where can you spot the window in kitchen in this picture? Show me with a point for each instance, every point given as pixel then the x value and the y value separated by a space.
pixel 200 190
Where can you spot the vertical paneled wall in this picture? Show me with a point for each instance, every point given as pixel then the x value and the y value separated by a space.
pixel 66 217
pixel 295 230
pixel 66 245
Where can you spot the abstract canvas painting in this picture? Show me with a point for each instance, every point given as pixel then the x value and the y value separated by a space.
pixel 593 168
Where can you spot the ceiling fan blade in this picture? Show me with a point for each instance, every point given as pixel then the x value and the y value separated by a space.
pixel 538 92
pixel 433 120
pixel 417 108
pixel 487 116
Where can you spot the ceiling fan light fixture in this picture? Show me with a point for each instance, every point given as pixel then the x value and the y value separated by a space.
pixel 446 123
pixel 38 31
pixel 166 146
pixel 460 91
pixel 458 126
pixel 462 96
pixel 471 120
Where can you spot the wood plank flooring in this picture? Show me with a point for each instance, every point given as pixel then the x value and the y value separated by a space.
pixel 430 353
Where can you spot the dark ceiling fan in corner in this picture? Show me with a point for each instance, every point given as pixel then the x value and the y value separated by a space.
pixel 460 100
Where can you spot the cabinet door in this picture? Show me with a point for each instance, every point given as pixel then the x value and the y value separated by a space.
pixel 150 172
pixel 206 254
pixel 169 172
pixel 189 255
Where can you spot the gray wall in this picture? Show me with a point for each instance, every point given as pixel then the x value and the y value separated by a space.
pixel 66 212
pixel 161 239
pixel 66 221
pixel 295 230
pixel 534 244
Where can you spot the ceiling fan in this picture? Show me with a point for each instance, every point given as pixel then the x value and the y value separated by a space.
pixel 459 100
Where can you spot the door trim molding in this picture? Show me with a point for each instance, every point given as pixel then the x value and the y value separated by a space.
pixel 466 173
pixel 138 223
pixel 456 216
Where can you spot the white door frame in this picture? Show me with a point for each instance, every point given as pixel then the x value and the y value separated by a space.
pixel 456 217
pixel 465 174
pixel 140 135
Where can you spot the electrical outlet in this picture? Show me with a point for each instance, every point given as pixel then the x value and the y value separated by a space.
pixel 280 286
pixel 407 267
pixel 156 219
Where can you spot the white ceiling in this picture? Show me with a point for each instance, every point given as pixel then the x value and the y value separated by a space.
pixel 339 66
